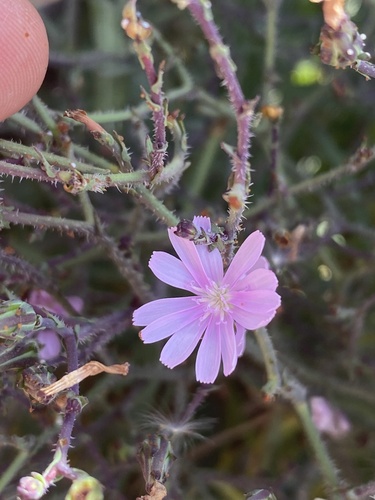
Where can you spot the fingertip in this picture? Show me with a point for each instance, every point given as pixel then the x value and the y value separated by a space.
pixel 23 55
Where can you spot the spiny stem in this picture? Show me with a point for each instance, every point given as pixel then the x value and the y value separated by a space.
pixel 80 228
pixel 61 161
pixel 139 31
pixel 237 193
pixel 44 114
pixel 156 206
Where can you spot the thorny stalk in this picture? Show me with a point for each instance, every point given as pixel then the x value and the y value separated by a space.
pixel 240 180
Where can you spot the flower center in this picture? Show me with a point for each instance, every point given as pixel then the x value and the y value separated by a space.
pixel 216 299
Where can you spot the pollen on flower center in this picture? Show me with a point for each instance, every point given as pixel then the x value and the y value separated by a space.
pixel 216 298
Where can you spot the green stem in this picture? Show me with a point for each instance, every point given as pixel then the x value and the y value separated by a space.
pixel 215 107
pixel 13 468
pixel 15 170
pixel 103 117
pixel 264 341
pixel 47 222
pixel 82 228
pixel 61 161
pixel 44 114
pixel 33 173
pixel 23 121
pixel 155 206
pixel 93 158
pixel 23 457
pixel 326 465
pixel 26 123
pixel 87 208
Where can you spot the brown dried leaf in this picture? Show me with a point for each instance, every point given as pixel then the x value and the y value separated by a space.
pixel 88 370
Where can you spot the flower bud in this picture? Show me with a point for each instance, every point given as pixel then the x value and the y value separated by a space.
pixel 186 229
pixel 343 46
pixel 156 457
pixel 133 24
pixel 16 319
pixel 32 487
pixel 33 379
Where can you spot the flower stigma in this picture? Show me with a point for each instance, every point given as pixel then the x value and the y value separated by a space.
pixel 216 299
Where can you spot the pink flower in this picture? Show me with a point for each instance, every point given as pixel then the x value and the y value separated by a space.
pixel 328 419
pixel 222 308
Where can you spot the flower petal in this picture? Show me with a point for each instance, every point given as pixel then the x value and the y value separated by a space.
pixel 252 322
pixel 162 307
pixel 254 309
pixel 187 251
pixel 247 256
pixel 260 279
pixel 262 263
pixel 240 339
pixel 228 346
pixel 212 262
pixel 50 344
pixel 201 222
pixel 168 325
pixel 256 302
pixel 182 344
pixel 209 355
pixel 171 270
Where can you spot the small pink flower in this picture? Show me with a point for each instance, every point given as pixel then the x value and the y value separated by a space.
pixel 42 298
pixel 327 418
pixel 223 307
pixel 32 487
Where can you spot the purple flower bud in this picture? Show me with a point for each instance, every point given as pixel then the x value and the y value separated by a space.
pixel 328 419
pixel 50 345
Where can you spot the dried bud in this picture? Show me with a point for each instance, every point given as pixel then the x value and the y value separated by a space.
pixel 74 181
pixel 343 46
pixel 132 23
pixel 32 382
pixel 186 229
pixel 80 115
pixel 155 457
pixel 273 113
pixel 214 238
